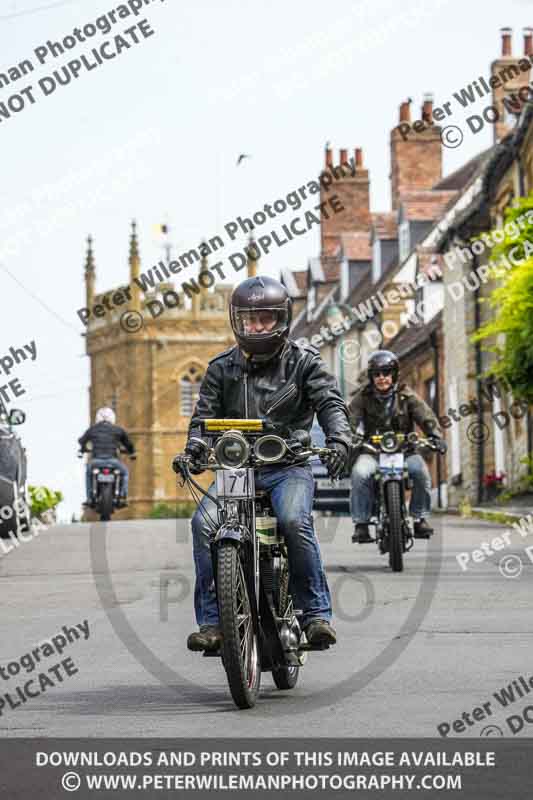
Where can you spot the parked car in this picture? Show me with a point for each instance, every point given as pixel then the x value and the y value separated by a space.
pixel 14 513
pixel 330 497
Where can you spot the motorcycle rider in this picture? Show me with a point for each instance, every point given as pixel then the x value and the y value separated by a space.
pixel 106 438
pixel 268 375
pixel 380 404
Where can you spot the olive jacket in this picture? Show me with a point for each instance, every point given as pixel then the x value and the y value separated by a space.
pixel 408 410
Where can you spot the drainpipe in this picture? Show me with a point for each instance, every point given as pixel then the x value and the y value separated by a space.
pixel 436 405
pixel 481 445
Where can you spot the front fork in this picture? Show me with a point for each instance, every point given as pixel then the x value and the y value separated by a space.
pixel 242 536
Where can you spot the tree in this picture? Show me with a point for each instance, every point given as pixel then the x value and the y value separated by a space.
pixel 511 330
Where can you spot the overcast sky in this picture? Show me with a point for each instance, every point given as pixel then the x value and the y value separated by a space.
pixel 155 133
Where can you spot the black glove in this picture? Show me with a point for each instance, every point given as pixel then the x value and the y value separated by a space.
pixel 178 466
pixel 196 448
pixel 337 461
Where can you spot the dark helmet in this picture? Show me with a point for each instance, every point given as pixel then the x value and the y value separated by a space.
pixel 265 301
pixel 383 359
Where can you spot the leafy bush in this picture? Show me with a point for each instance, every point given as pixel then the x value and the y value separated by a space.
pixel 511 330
pixel 43 499
pixel 180 510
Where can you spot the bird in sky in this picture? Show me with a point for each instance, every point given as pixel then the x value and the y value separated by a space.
pixel 242 157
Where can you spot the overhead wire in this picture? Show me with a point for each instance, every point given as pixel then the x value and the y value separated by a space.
pixel 29 11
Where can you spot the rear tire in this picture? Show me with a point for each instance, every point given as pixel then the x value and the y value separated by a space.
pixel 240 648
pixel 106 502
pixel 394 509
pixel 284 677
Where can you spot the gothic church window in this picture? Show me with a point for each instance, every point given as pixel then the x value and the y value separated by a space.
pixel 189 391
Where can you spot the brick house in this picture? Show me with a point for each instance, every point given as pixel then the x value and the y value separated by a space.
pixel 403 295
pixel 502 439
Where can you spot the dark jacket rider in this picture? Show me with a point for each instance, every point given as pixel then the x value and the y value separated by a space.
pixel 268 375
pixel 106 439
pixel 381 404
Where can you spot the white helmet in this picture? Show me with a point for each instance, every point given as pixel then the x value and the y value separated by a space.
pixel 105 414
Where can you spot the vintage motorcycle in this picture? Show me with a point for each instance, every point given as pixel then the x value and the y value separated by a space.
pixel 105 496
pixel 260 627
pixel 394 526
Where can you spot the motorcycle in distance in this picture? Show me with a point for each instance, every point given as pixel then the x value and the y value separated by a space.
pixel 105 487
pixel 260 627
pixel 394 526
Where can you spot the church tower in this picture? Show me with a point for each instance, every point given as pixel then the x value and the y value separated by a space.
pixel 148 354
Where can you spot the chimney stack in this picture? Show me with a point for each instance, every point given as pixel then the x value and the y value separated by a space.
pixel 427 108
pixel 510 78
pixel 351 187
pixel 507 46
pixel 416 156
pixel 329 157
pixel 405 111
pixel 528 41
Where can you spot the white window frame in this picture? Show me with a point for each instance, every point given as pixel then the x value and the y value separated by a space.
pixel 345 279
pixel 404 240
pixel 311 302
pixel 376 260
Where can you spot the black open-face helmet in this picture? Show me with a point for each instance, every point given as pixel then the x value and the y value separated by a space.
pixel 383 361
pixel 261 315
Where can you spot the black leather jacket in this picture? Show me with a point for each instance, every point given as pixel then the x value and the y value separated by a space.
pixel 106 439
pixel 289 389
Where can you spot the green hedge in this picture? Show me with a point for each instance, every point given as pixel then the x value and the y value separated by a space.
pixel 43 499
pixel 180 510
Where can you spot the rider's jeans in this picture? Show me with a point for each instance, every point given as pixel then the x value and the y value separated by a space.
pixel 114 463
pixel 291 495
pixel 363 487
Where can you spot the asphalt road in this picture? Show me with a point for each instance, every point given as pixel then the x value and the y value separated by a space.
pixel 415 649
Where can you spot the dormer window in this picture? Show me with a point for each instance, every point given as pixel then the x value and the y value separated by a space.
pixel 405 240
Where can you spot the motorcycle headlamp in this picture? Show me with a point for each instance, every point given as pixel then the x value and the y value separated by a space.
pixel 389 442
pixel 269 448
pixel 232 450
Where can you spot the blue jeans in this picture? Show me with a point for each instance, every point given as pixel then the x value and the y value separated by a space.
pixel 291 492
pixel 363 487
pixel 114 463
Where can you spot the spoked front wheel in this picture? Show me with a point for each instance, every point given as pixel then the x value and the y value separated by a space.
pixel 240 650
pixel 394 510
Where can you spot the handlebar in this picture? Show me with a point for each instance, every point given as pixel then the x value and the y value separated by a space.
pixel 185 459
pixel 373 445
pixel 82 453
